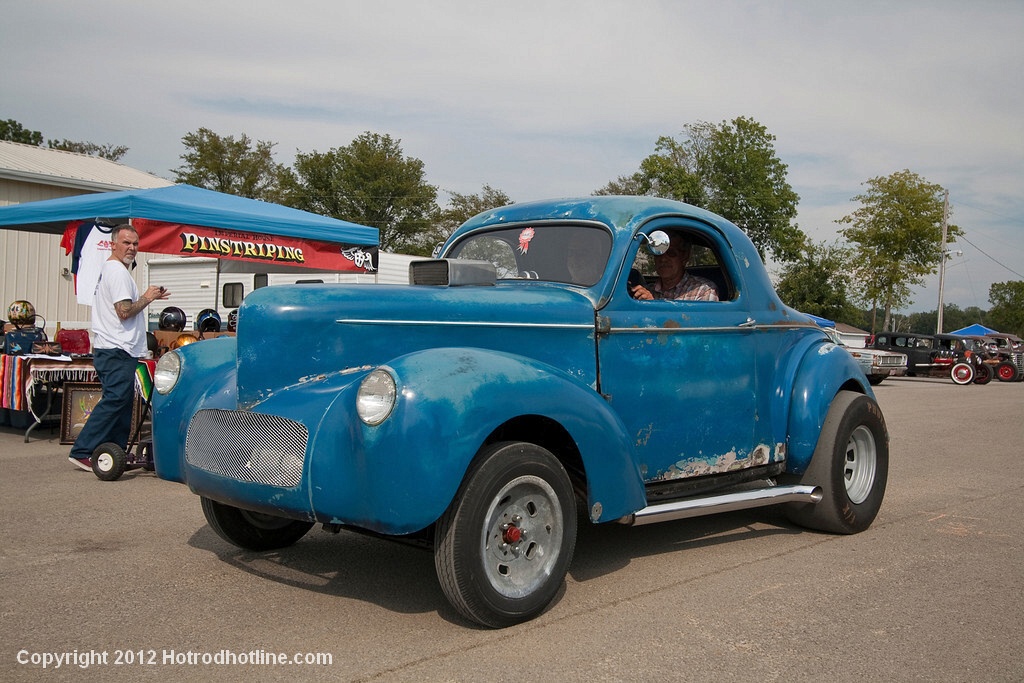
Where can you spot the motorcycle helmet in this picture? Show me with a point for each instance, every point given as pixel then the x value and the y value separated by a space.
pixel 153 344
pixel 172 319
pixel 183 340
pixel 22 314
pixel 233 320
pixel 208 320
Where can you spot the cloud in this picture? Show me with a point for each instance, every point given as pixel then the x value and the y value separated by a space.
pixel 556 98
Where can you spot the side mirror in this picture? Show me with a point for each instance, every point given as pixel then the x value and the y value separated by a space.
pixel 656 243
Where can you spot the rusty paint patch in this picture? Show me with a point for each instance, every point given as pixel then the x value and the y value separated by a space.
pixel 727 462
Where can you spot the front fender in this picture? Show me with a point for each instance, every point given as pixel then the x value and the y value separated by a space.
pixel 823 370
pixel 207 380
pixel 405 472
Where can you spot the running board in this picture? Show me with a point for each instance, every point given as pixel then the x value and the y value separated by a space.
pixel 724 502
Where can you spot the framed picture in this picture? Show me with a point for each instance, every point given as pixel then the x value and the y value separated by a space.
pixel 79 400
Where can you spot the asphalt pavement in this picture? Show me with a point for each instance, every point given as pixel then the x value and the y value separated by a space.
pixel 124 581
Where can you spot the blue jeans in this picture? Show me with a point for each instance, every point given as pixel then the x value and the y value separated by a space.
pixel 111 419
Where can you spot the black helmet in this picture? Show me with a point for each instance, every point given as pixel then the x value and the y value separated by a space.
pixel 172 319
pixel 233 320
pixel 208 320
pixel 152 344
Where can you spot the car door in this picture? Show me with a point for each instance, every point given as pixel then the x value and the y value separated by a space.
pixel 682 375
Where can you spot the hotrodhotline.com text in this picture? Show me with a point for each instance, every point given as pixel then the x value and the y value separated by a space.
pixel 83 659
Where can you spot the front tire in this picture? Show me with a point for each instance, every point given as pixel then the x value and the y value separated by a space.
pixel 252 530
pixel 850 464
pixel 1006 371
pixel 504 545
pixel 962 373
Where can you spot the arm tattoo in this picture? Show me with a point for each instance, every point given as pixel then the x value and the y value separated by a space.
pixel 127 308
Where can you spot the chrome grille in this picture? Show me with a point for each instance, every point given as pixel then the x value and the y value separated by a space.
pixel 1018 360
pixel 253 447
pixel 890 360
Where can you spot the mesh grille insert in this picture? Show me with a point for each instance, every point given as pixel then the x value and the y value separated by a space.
pixel 253 447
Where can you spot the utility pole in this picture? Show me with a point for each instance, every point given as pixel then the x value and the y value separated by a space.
pixel 942 260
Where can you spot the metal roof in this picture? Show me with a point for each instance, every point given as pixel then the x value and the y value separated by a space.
pixel 31 164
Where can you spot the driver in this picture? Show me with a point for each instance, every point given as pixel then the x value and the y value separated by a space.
pixel 673 280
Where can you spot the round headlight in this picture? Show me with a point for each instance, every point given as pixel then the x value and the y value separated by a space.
pixel 168 370
pixel 376 397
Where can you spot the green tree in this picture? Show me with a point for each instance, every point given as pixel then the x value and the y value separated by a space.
pixel 462 207
pixel 731 169
pixel 817 283
pixel 1007 313
pixel 231 166
pixel 12 131
pixel 897 238
pixel 111 152
pixel 370 182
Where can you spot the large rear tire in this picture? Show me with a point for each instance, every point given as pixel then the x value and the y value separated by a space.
pixel 504 545
pixel 850 464
pixel 252 530
pixel 982 373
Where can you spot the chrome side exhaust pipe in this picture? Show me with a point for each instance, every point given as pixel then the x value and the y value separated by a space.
pixel 723 502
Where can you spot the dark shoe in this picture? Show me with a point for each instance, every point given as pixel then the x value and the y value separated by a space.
pixel 81 463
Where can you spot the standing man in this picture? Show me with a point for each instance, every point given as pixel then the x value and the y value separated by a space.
pixel 119 340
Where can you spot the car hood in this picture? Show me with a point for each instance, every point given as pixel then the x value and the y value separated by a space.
pixel 294 335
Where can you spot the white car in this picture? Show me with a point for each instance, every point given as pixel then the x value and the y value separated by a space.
pixel 876 363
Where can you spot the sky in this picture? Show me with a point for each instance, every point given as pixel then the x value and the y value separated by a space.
pixel 556 99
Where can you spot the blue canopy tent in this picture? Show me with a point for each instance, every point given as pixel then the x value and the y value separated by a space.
pixel 975 330
pixel 185 204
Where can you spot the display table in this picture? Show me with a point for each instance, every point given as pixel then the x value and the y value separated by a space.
pixel 25 380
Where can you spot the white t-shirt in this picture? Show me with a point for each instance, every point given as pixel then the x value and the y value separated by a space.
pixel 109 331
pixel 95 251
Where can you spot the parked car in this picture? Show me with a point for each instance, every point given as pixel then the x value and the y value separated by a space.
pixel 514 383
pixel 876 363
pixel 1007 351
pixel 924 357
pixel 969 364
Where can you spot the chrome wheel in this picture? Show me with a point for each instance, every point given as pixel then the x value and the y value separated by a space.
pixel 522 537
pixel 861 461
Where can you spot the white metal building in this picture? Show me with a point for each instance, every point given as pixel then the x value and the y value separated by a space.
pixel 35 267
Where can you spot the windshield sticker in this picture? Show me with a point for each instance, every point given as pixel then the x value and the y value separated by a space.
pixel 524 240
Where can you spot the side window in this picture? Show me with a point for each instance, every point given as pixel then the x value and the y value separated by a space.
pixel 231 294
pixel 691 270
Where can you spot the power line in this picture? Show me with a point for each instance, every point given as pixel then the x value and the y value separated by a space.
pixel 990 257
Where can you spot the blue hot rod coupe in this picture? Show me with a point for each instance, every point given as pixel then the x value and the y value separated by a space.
pixel 515 386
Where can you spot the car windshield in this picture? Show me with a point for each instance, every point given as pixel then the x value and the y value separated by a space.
pixel 574 254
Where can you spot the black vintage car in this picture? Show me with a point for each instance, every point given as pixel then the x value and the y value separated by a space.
pixel 970 354
pixel 925 357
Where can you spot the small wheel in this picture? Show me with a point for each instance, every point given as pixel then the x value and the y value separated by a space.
pixel 982 374
pixel 504 545
pixel 109 461
pixel 1006 371
pixel 252 530
pixel 850 464
pixel 962 373
pixel 875 380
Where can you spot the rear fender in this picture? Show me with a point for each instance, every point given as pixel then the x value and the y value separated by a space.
pixel 823 370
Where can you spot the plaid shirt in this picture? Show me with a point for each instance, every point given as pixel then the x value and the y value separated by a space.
pixel 690 288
